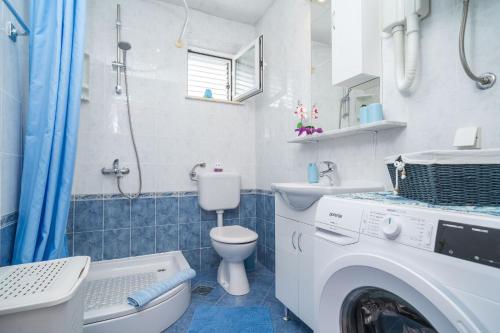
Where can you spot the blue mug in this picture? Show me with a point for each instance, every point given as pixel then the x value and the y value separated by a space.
pixel 375 112
pixel 363 115
pixel 208 93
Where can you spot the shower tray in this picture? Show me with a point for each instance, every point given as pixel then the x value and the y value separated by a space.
pixel 110 282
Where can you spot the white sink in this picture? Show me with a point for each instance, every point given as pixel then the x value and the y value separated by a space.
pixel 301 196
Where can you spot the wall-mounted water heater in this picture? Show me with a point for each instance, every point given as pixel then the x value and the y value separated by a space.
pixel 401 18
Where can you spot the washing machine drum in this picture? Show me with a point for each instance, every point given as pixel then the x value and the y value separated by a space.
pixel 374 310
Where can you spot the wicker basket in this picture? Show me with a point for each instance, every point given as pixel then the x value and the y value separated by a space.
pixel 458 178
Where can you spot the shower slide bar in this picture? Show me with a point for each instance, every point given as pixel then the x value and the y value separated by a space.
pixel 11 28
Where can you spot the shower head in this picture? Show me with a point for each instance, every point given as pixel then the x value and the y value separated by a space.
pixel 124 46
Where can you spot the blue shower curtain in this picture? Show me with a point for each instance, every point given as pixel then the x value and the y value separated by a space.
pixel 55 77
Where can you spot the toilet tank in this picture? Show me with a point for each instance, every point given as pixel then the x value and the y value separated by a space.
pixel 219 190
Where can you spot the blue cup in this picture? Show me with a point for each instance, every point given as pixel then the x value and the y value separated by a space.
pixel 375 112
pixel 208 93
pixel 363 115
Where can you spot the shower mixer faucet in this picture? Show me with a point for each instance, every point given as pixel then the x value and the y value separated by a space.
pixel 116 170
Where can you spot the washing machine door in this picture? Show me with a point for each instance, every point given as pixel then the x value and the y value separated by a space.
pixel 372 294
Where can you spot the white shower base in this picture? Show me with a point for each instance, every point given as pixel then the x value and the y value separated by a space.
pixel 110 282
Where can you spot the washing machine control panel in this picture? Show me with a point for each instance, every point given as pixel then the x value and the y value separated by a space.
pixel 397 226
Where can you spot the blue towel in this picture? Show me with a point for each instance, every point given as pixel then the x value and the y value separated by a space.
pixel 144 296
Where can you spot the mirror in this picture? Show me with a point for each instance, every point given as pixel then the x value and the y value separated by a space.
pixel 248 71
pixel 338 107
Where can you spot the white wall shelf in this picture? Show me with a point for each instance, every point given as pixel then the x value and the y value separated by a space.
pixel 349 131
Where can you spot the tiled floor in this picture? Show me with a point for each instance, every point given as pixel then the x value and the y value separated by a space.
pixel 261 293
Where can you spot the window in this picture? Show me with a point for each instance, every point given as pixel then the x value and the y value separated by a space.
pixel 226 78
pixel 209 73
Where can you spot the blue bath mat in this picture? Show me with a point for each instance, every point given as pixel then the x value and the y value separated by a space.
pixel 220 319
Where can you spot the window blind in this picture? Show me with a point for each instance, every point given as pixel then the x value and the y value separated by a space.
pixel 209 72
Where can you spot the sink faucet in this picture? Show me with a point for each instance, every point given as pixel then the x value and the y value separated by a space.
pixel 330 172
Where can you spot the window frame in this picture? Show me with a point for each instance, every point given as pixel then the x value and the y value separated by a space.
pixel 258 44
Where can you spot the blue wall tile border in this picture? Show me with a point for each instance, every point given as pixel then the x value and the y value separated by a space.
pixel 166 194
pixel 108 196
pixel 249 191
pixel 264 192
pixel 80 197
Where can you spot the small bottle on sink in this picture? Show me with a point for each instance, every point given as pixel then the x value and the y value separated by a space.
pixel 312 173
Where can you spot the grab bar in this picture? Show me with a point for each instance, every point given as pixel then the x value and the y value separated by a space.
pixel 11 29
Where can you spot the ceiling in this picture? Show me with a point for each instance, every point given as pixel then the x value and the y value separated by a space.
pixel 321 22
pixel 245 11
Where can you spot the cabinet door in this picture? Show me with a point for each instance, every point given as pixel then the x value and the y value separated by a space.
pixel 356 50
pixel 287 262
pixel 346 40
pixel 305 245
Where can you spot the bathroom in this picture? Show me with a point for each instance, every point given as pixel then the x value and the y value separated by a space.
pixel 124 91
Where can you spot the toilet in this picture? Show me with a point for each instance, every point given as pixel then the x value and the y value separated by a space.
pixel 219 191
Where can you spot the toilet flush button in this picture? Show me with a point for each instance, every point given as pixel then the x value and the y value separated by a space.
pixel 391 228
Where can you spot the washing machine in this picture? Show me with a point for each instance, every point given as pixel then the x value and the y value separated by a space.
pixel 384 267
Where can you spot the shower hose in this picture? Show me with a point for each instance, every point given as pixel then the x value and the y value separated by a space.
pixel 132 136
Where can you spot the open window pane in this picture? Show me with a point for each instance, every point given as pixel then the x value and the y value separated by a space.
pixel 248 71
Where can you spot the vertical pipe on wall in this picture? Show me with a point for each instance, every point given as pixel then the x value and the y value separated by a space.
pixel 406 57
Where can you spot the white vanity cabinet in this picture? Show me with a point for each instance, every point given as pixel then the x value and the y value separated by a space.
pixel 356 41
pixel 294 260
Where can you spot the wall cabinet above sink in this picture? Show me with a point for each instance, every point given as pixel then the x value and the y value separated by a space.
pixel 356 42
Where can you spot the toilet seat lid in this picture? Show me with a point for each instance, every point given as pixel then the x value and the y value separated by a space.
pixel 233 234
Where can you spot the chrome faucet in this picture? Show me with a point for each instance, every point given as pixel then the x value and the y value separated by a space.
pixel 330 172
pixel 115 170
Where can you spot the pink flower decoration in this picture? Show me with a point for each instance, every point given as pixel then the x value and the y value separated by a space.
pixel 301 112
pixel 315 112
